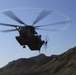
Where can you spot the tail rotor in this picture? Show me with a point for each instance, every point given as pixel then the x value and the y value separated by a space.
pixel 46 42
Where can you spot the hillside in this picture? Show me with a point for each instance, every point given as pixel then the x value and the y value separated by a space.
pixel 63 64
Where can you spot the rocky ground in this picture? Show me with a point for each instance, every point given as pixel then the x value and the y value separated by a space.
pixel 63 64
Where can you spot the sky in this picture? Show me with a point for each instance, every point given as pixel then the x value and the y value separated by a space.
pixel 59 42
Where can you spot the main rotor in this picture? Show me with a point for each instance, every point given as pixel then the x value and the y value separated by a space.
pixel 11 15
pixel 43 14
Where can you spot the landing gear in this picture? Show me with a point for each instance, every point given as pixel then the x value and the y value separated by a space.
pixel 24 46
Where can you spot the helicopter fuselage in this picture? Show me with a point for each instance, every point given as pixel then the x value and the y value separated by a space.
pixel 28 36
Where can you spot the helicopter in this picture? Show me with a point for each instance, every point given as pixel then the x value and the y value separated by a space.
pixel 27 33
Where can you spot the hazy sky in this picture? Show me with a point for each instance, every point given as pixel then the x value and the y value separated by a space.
pixel 58 42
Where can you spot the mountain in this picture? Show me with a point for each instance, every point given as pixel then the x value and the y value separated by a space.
pixel 63 64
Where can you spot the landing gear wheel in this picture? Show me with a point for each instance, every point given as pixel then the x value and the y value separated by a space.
pixel 24 46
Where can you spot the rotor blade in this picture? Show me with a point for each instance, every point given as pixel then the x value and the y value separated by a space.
pixel 13 16
pixel 9 30
pixel 57 23
pixel 46 29
pixel 42 15
pixel 46 42
pixel 4 24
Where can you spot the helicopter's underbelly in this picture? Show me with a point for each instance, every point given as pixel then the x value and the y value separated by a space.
pixel 20 40
pixel 32 44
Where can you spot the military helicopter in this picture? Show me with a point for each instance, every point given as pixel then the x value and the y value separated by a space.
pixel 27 33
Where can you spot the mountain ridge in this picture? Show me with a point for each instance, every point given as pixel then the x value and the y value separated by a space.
pixel 62 64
